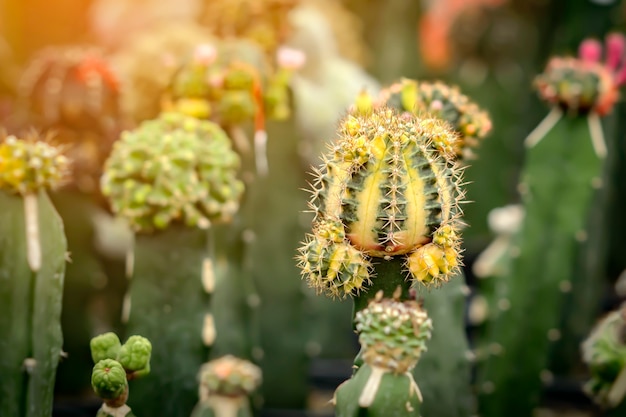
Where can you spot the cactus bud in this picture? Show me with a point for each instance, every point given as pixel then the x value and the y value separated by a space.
pixel 28 165
pixel 229 376
pixel 173 169
pixel 108 379
pixel 392 192
pixel 134 355
pixel 105 346
pixel 393 334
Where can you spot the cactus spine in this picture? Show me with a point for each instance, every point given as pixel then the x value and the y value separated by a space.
pixel 32 266
pixel 557 210
pixel 171 178
pixel 386 204
pixel 115 365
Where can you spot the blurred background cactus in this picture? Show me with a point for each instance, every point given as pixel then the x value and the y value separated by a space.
pixel 277 77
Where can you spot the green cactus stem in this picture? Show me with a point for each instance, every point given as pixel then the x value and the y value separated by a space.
pixel 171 179
pixel 557 211
pixel 33 254
pixel 225 385
pixel 393 335
pixel 115 365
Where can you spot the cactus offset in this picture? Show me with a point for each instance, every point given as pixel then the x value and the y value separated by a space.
pixel 557 212
pixel 115 365
pixel 171 178
pixel 33 256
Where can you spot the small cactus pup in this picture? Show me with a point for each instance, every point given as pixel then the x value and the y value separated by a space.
pixel 553 263
pixel 171 178
pixel 604 352
pixel 233 84
pixel 226 384
pixel 115 365
pixel 33 253
pixel 393 335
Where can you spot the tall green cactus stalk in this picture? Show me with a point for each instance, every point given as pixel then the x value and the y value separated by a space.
pixel 564 168
pixel 386 204
pixel 225 387
pixel 604 352
pixel 449 352
pixel 33 253
pixel 115 365
pixel 171 178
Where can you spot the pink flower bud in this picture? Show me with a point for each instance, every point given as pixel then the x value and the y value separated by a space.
pixel 590 50
pixel 204 54
pixel 615 47
pixel 290 58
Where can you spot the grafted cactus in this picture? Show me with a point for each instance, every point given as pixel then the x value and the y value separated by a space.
pixel 32 266
pixel 171 179
pixel 115 365
pixel 559 242
pixel 225 385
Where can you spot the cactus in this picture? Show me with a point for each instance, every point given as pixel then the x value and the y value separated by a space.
pixel 171 178
pixel 225 385
pixel 604 352
pixel 386 204
pixel 115 365
pixel 557 210
pixel 449 353
pixel 32 265
pixel 393 335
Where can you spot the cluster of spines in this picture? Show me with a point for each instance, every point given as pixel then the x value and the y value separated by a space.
pixel 393 334
pixel 376 150
pixel 31 164
pixel 174 168
pixel 229 376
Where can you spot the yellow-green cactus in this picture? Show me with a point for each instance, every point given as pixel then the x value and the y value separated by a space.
pixel 108 379
pixel 384 190
pixel 173 169
pixel 105 346
pixel 29 165
pixel 229 376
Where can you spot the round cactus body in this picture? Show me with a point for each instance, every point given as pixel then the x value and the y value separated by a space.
pixel 135 354
pixel 388 191
pixel 393 334
pixel 108 379
pixel 105 346
pixel 229 376
pixel 174 168
pixel 29 165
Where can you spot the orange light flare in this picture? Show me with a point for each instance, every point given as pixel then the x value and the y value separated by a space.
pixel 435 24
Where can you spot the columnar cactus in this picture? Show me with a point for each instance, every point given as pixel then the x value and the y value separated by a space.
pixel 32 266
pixel 386 204
pixel 115 365
pixel 560 223
pixel 171 179
pixel 225 385
pixel 393 335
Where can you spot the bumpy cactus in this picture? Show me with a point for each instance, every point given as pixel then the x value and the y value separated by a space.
pixel 393 335
pixel 171 178
pixel 32 266
pixel 556 227
pixel 604 352
pixel 115 365
pixel 225 385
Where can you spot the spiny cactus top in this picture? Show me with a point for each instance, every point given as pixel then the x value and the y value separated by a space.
pixel 393 334
pixel 29 165
pixel 605 354
pixel 384 190
pixel 441 101
pixel 229 376
pixel 72 87
pixel 585 84
pixel 173 169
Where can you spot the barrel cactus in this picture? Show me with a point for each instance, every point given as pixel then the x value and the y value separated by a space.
pixel 384 191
